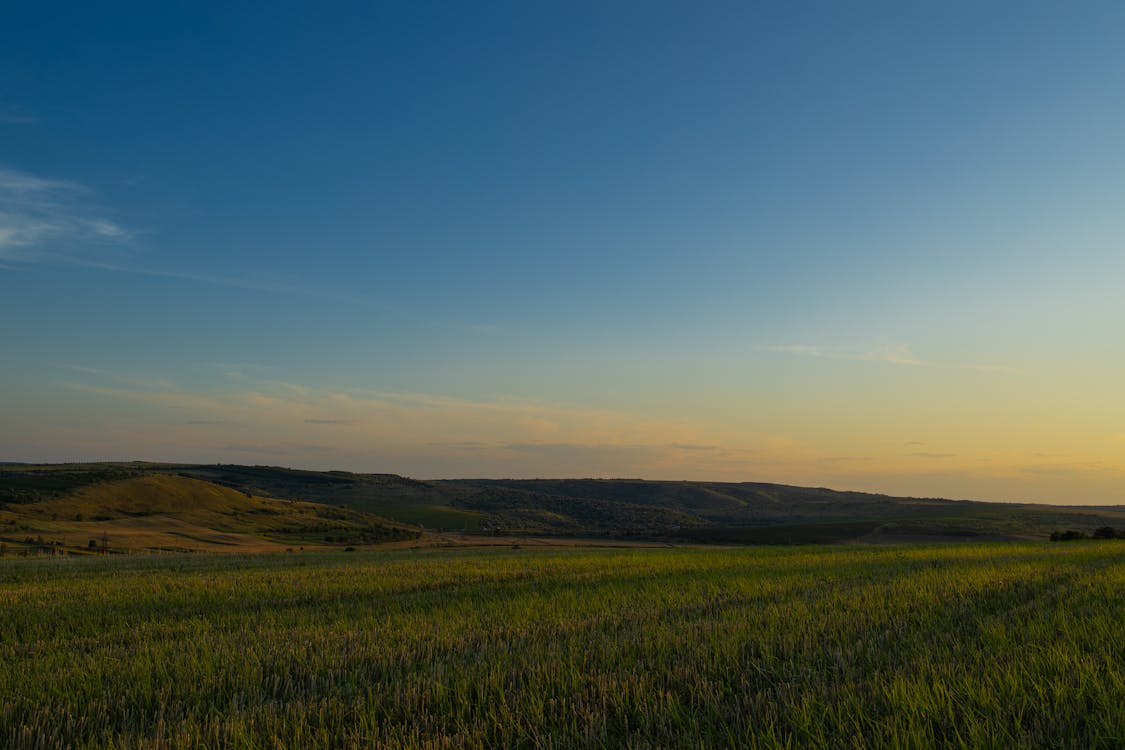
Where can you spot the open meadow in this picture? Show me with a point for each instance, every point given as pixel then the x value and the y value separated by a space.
pixel 991 645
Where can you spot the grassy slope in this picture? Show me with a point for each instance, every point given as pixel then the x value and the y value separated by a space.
pixel 405 500
pixel 1001 645
pixel 165 512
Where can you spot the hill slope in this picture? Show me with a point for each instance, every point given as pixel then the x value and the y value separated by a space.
pixel 157 511
pixel 755 512
pixel 746 512
pixel 280 507
pixel 410 501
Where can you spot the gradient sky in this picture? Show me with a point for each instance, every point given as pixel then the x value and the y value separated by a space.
pixel 865 245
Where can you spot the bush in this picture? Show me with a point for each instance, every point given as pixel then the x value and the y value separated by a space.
pixel 1067 536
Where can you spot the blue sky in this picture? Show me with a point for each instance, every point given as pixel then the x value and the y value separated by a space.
pixel 867 245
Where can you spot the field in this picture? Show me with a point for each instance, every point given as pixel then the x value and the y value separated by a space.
pixel 985 645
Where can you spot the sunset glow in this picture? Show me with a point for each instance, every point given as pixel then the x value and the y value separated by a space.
pixel 868 247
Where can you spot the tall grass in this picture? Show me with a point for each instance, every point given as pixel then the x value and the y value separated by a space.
pixel 957 646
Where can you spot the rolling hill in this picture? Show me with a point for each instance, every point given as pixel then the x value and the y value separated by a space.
pixel 129 508
pixel 762 513
pixel 221 506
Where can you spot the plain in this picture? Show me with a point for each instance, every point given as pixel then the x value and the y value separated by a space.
pixel 985 645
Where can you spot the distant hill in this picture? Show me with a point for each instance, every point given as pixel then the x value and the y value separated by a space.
pixel 129 507
pixel 429 504
pixel 754 512
pixel 188 506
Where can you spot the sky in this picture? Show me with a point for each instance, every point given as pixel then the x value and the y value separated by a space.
pixel 876 246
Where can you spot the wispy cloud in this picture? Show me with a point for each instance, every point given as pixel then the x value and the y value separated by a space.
pixel 262 450
pixel 462 445
pixel 899 355
pixel 812 351
pixel 234 367
pixel 254 283
pixel 602 459
pixel 84 370
pixel 46 220
pixel 993 368
pixel 39 216
pixel 36 213
pixel 257 281
pixel 1076 468
pixel 896 355
pixel 172 398
pixel 435 435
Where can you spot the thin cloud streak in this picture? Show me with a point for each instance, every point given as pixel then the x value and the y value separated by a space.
pixel 37 212
pixel 261 285
pixel 812 351
pixel 899 355
pixel 41 215
pixel 1004 369
pixel 84 370
pixel 276 284
pixel 503 437
pixel 404 425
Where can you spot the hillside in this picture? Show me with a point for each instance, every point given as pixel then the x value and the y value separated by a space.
pixel 183 506
pixel 429 504
pixel 762 513
pixel 133 509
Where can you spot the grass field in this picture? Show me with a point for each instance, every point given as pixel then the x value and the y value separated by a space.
pixel 987 645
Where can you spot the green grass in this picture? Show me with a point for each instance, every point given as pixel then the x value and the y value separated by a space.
pixel 430 516
pixel 782 533
pixel 986 645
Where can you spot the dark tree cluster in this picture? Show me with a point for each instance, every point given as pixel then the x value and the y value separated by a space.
pixel 1103 532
